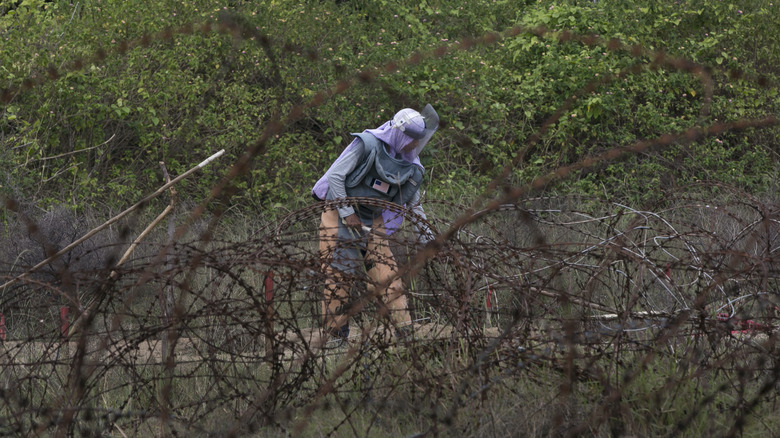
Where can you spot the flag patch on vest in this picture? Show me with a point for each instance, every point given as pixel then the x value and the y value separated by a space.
pixel 380 186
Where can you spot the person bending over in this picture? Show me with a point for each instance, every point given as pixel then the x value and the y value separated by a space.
pixel 383 164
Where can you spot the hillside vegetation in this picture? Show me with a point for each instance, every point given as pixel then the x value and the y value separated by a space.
pixel 96 93
pixel 603 185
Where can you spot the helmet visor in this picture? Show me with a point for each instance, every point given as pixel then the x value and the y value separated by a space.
pixel 431 119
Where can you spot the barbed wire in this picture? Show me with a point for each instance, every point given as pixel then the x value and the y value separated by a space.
pixel 564 315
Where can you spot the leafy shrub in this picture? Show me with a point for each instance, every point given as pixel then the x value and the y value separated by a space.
pixel 94 134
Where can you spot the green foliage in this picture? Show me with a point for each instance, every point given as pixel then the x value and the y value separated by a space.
pixel 94 135
pixel 625 108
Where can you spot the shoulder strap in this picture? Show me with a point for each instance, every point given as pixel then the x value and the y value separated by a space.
pixel 369 143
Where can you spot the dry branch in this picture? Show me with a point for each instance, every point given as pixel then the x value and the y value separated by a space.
pixel 96 230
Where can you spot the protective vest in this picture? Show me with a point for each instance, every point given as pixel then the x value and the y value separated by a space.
pixel 381 176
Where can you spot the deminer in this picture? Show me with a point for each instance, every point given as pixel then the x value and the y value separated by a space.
pixel 383 164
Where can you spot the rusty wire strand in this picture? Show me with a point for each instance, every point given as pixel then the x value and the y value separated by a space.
pixel 597 293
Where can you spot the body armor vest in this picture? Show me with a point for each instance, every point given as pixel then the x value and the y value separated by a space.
pixel 381 176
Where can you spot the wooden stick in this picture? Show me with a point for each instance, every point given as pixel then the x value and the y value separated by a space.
pixel 76 324
pixel 168 336
pixel 112 220
pixel 167 302
pixel 268 283
pixel 141 237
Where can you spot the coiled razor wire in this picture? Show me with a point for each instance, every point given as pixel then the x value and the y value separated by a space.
pixel 224 337
pixel 244 345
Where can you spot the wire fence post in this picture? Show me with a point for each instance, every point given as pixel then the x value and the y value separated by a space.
pixel 268 283
pixel 167 303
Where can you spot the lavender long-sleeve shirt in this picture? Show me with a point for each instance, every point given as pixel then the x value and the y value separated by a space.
pixel 332 186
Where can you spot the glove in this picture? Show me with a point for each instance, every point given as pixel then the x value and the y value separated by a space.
pixel 425 235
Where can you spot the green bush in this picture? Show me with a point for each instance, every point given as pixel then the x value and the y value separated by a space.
pixel 95 134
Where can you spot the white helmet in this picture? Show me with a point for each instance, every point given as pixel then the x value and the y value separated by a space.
pixel 417 125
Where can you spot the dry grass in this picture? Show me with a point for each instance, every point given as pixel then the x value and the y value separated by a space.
pixel 603 320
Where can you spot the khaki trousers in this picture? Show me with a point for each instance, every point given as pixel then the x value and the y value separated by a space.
pixel 381 266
